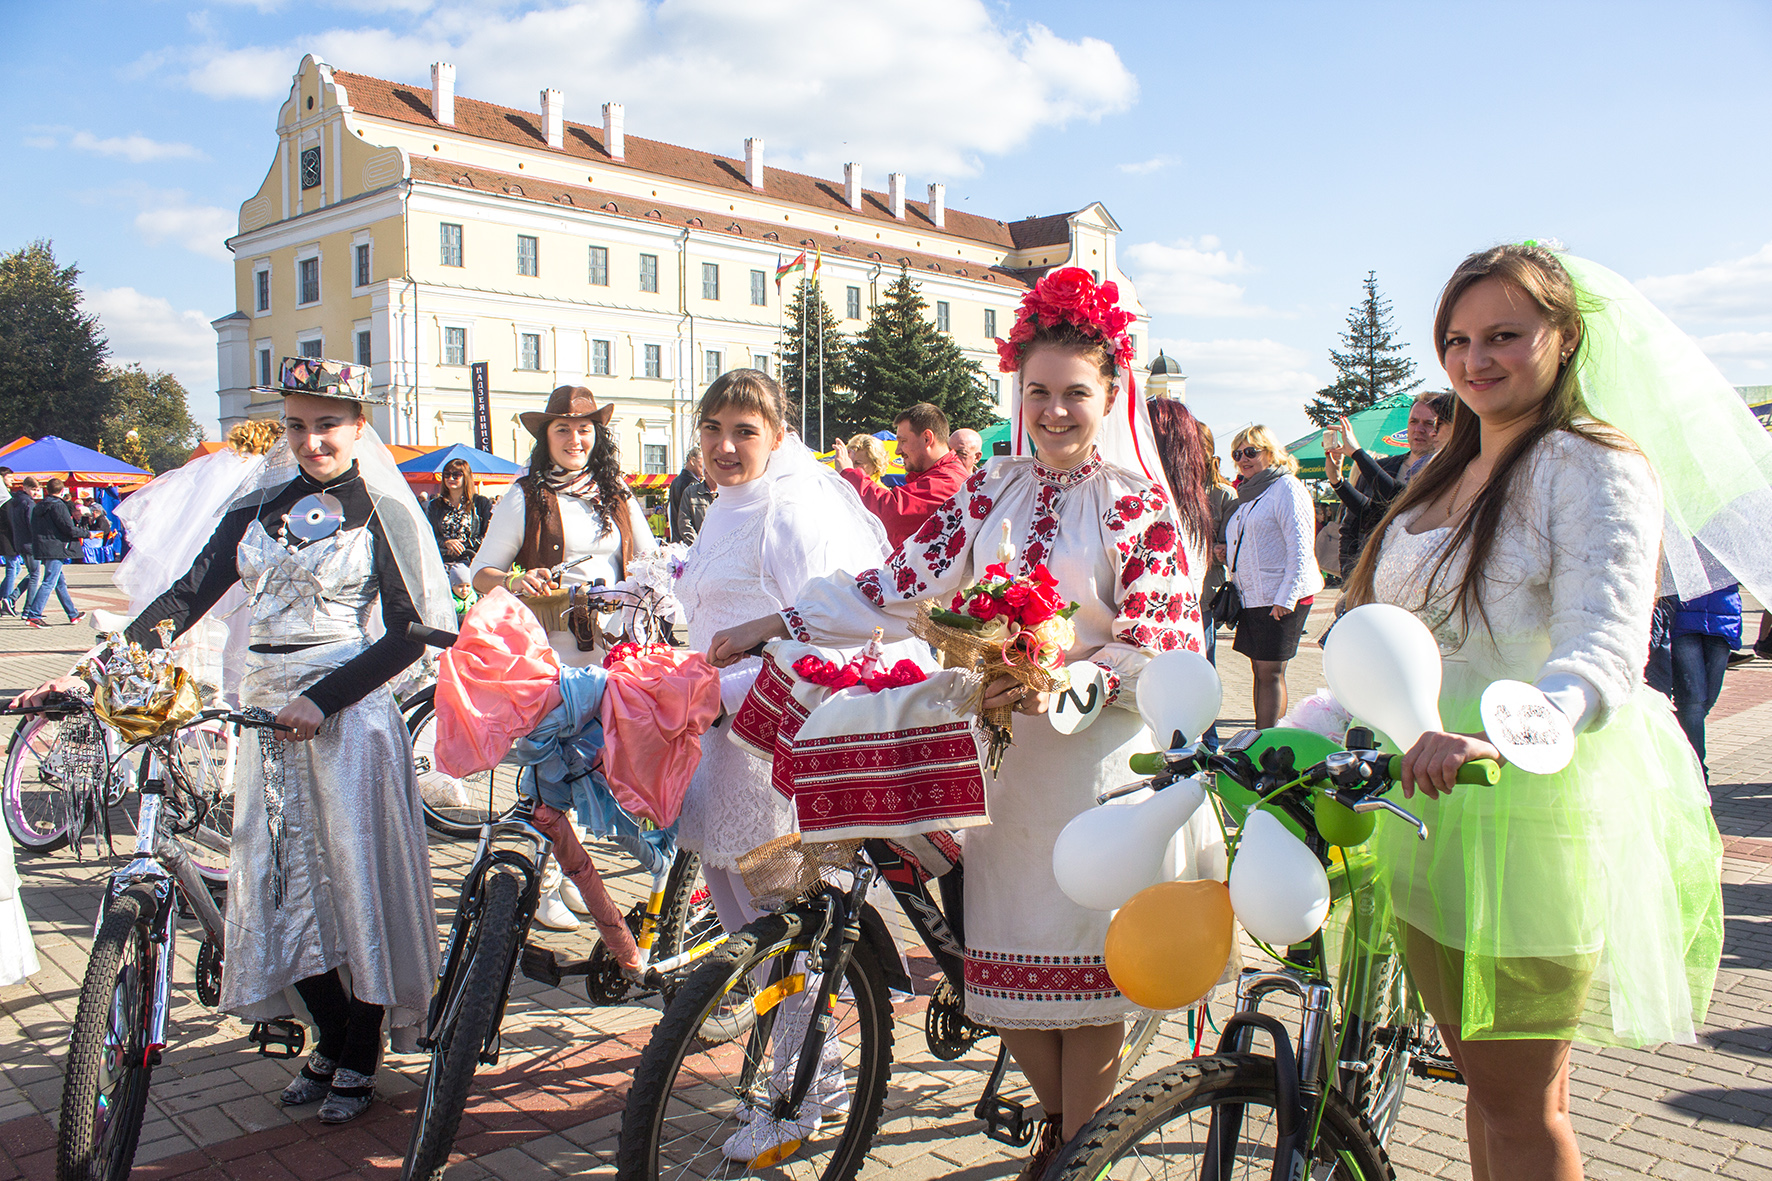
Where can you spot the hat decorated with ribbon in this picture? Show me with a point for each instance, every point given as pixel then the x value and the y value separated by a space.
pixel 325 378
pixel 568 401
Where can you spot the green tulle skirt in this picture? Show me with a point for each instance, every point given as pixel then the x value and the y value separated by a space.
pixel 1584 905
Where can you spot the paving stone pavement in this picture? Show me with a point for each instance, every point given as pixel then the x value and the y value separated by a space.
pixel 552 1106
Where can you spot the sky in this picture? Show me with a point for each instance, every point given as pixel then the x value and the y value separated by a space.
pixel 1261 157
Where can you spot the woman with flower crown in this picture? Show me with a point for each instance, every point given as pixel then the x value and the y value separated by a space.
pixel 1093 508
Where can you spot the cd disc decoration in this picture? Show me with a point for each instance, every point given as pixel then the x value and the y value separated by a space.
pixel 314 516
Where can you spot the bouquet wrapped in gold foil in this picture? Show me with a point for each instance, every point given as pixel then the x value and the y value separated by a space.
pixel 138 693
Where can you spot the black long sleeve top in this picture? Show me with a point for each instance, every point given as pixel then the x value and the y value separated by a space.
pixel 215 570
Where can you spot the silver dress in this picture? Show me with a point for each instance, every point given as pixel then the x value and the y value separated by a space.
pixel 353 862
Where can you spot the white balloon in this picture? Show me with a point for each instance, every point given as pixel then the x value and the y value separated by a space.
pixel 1178 691
pixel 1106 855
pixel 1384 667
pixel 1278 888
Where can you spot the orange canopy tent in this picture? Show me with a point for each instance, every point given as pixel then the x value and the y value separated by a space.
pixel 21 441
pixel 204 448
pixel 651 483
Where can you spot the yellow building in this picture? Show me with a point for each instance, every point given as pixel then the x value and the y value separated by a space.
pixel 419 232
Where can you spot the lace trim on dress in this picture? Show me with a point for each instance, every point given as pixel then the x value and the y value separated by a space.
pixel 1072 478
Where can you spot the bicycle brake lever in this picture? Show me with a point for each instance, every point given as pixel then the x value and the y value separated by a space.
pixel 1380 804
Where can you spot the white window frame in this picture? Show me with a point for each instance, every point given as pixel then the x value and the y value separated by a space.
pixel 262 266
pixel 710 270
pixel 591 266
pixel 852 303
pixel 461 244
pixel 990 323
pixel 314 255
pixel 759 289
pixel 608 369
pixel 663 443
pixel 536 273
pixel 467 344
pixel 264 358
pixel 541 349
pixel 359 329
pixel 713 363
pixel 944 316
pixel 664 360
pixel 760 362
pixel 312 337
pixel 640 273
pixel 362 240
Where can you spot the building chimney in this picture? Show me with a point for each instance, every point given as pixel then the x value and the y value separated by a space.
pixel 613 140
pixel 938 205
pixel 553 118
pixel 443 93
pixel 895 189
pixel 852 185
pixel 753 162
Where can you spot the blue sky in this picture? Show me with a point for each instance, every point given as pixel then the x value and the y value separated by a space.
pixel 1261 157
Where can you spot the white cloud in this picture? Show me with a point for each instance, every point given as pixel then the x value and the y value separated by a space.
pixel 1744 357
pixel 1739 289
pixel 934 85
pixel 147 330
pixel 1189 277
pixel 202 229
pixel 1234 382
pixel 137 149
pixel 41 141
pixel 1146 167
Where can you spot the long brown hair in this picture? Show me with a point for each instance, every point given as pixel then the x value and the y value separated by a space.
pixel 468 485
pixel 1535 271
pixel 1187 463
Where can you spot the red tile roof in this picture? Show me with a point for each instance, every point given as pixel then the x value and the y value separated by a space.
pixel 789 240
pixel 412 104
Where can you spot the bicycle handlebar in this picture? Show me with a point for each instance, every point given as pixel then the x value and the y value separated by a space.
pixel 1477 772
pixel 64 704
pixel 434 637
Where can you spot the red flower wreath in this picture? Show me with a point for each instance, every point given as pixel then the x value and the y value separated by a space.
pixel 1069 295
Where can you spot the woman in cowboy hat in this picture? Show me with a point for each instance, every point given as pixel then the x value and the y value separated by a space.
pixel 572 513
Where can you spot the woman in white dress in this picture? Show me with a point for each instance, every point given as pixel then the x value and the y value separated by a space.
pixel 558 516
pixel 1093 508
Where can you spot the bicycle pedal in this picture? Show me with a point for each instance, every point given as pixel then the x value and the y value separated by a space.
pixel 279 1038
pixel 1440 1070
pixel 541 964
pixel 1005 1121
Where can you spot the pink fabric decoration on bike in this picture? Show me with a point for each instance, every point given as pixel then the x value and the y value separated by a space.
pixel 656 707
pixel 499 680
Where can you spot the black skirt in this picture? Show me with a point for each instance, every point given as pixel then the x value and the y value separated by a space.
pixel 1262 637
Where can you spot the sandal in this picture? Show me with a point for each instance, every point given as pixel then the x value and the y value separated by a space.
pixel 1046 1148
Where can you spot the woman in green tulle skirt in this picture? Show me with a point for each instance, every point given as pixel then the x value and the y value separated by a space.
pixel 1581 905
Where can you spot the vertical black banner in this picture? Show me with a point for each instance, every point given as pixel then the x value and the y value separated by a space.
pixel 482 407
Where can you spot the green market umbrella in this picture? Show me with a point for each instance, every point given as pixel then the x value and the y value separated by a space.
pixel 1382 429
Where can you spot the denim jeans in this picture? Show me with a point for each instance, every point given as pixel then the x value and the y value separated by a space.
pixel 15 582
pixel 1694 682
pixel 52 577
pixel 34 570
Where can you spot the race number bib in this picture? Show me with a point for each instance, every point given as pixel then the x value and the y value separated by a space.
pixel 1076 707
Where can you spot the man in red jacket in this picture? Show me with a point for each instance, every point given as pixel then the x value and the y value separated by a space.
pixel 932 473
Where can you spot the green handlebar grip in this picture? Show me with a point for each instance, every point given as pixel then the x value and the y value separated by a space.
pixel 1479 772
pixel 1148 763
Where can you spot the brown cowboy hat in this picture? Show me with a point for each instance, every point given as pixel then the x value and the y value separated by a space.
pixel 569 401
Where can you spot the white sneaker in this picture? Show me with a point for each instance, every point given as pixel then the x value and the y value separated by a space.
pixel 766 1140
pixel 575 902
pixel 551 913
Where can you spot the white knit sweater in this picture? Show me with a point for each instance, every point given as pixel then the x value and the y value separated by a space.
pixel 1277 564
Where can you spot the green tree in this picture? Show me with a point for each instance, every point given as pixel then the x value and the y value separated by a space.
pixel 901 358
pixel 808 316
pixel 52 354
pixel 155 406
pixel 1370 364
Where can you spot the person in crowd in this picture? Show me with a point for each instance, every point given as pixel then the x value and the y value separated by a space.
pixel 459 516
pixel 1222 498
pixel 55 539
pixel 969 446
pixel 1269 538
pixel 781 520
pixel 867 455
pixel 1688 666
pixel 348 887
pixel 691 492
pixel 23 572
pixel 1378 481
pixel 1327 547
pixel 1091 511
pixel 1184 445
pixel 932 473
pixel 1581 904
pixel 570 520
pixel 9 551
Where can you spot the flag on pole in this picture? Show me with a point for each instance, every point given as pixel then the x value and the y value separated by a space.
pixel 817 260
pixel 786 269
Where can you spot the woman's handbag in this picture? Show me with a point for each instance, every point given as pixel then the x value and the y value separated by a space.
pixel 1227 600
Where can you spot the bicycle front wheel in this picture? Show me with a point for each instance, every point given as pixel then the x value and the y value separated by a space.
pixel 1214 1118
pixel 105 1091
pixel 473 992
pixel 453 807
pixel 697 1110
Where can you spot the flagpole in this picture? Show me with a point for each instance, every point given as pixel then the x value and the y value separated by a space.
pixel 820 295
pixel 802 350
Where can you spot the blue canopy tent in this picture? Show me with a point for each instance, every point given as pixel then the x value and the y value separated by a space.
pixel 55 458
pixel 427 469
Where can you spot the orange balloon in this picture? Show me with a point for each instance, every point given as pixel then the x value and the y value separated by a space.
pixel 1168 946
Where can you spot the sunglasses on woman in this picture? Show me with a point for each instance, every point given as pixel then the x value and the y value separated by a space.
pixel 1247 453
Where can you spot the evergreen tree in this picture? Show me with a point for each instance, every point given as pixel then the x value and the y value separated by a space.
pixel 901 358
pixel 155 406
pixel 52 354
pixel 1370 366
pixel 808 315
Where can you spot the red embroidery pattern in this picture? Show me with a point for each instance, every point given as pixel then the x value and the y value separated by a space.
pixel 889 783
pixel 797 625
pixel 1113 685
pixel 760 716
pixel 1014 976
pixel 869 583
pixel 1152 563
pixel 1043 530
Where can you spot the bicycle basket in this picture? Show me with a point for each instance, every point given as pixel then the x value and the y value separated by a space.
pixel 786 869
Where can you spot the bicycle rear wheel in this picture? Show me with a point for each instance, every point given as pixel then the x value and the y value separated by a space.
pixel 1385 1029
pixel 47 760
pixel 453 807
pixel 472 994
pixel 106 1088
pixel 1161 1128
pixel 690 1100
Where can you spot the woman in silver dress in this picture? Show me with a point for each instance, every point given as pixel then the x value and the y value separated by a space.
pixel 329 889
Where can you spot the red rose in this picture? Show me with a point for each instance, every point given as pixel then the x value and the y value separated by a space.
pixel 1160 537
pixel 1015 600
pixel 982 606
pixel 1067 290
pixel 1008 357
pixel 996 570
pixel 1043 603
pixel 959 603
pixel 1131 572
pixel 1130 507
pixel 1042 576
